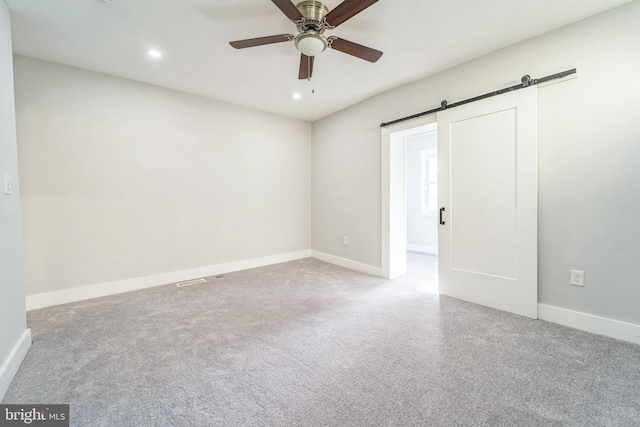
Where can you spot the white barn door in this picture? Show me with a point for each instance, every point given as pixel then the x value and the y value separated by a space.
pixel 487 156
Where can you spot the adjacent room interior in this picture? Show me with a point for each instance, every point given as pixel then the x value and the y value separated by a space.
pixel 421 189
pixel 202 228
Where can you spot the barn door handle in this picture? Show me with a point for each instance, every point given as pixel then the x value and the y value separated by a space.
pixel 441 221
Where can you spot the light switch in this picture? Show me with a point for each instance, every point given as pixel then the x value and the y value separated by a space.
pixel 7 184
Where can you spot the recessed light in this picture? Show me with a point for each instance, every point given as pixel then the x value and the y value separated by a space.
pixel 297 96
pixel 154 53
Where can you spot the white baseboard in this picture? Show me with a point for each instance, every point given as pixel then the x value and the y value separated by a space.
pixel 10 366
pixel 586 322
pixel 422 248
pixel 347 263
pixel 110 288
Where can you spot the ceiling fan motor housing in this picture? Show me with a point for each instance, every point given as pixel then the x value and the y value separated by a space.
pixel 310 41
pixel 312 10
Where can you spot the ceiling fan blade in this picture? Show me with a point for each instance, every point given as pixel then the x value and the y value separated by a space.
pixel 356 49
pixel 289 9
pixel 347 10
pixel 259 41
pixel 306 67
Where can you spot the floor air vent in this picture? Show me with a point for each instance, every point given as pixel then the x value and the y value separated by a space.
pixel 190 282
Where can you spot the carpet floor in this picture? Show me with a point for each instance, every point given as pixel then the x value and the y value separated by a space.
pixel 306 343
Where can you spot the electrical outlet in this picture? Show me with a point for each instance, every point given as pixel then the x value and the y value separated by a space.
pixel 345 240
pixel 577 278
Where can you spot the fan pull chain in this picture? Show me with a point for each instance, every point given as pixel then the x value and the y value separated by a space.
pixel 309 74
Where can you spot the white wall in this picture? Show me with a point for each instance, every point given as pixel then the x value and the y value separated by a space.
pixel 422 231
pixel 589 146
pixel 15 338
pixel 124 180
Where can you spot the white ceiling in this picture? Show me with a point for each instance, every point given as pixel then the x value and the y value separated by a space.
pixel 418 38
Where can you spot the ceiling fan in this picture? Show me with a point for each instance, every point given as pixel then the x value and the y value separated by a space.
pixel 312 19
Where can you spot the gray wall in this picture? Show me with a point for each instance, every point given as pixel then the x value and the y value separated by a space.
pixel 123 180
pixel 589 146
pixel 13 324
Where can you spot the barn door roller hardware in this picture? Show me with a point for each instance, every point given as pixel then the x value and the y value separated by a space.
pixel 526 81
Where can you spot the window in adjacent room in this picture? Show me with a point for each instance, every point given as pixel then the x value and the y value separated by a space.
pixel 429 182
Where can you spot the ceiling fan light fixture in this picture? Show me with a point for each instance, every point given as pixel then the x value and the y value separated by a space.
pixel 310 43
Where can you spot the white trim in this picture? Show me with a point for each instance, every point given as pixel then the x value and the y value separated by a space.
pixel 10 366
pixel 422 248
pixel 110 288
pixel 347 263
pixel 586 322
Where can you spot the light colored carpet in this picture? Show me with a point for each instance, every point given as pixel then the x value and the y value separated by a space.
pixel 306 343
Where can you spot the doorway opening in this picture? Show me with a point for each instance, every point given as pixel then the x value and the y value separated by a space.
pixel 421 189
pixel 410 203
